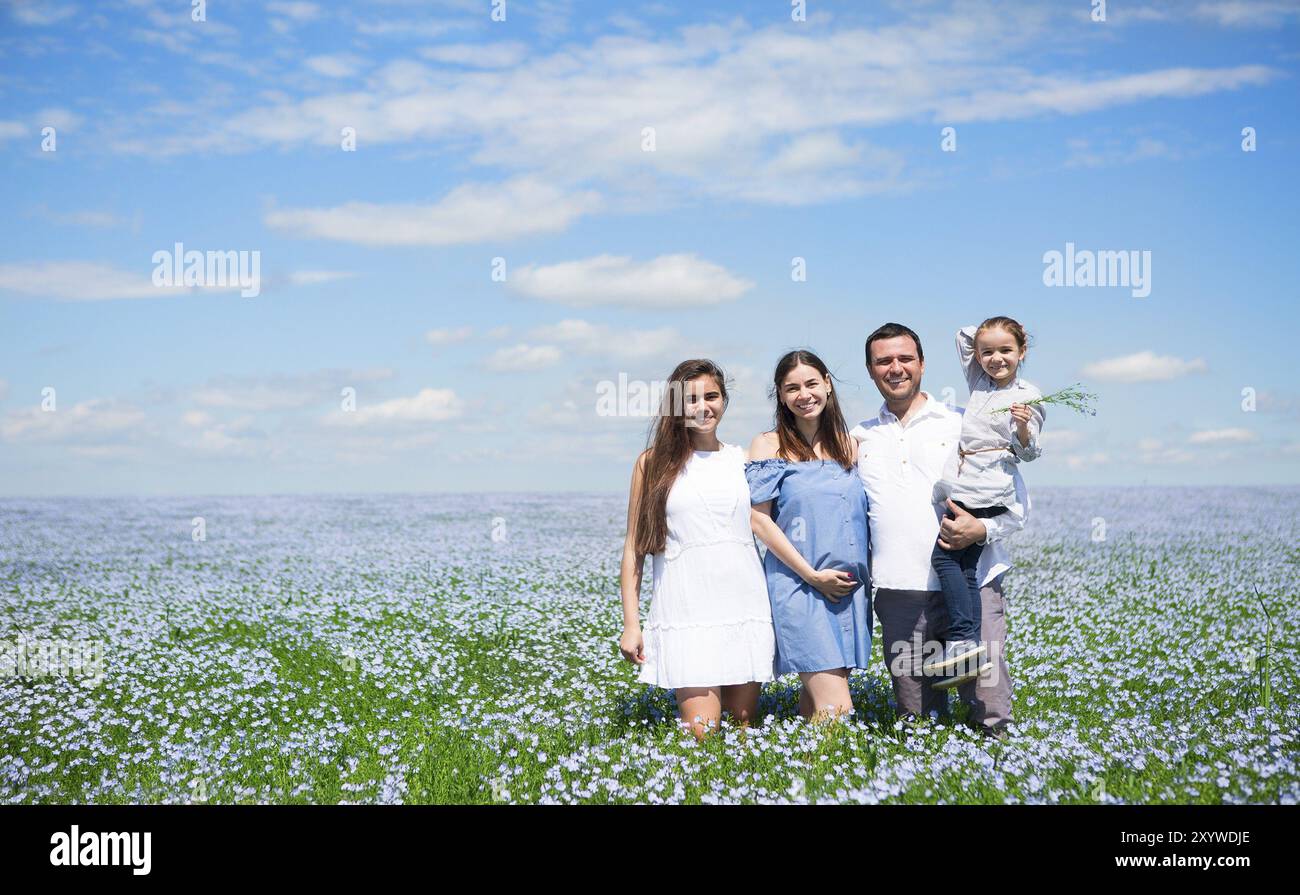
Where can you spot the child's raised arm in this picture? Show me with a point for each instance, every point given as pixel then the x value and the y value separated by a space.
pixel 966 354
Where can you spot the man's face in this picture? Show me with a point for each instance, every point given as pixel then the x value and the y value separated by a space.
pixel 895 368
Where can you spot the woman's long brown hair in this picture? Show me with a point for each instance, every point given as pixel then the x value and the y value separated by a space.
pixel 668 448
pixel 831 430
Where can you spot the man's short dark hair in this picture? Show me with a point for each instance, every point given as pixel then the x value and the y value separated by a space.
pixel 890 331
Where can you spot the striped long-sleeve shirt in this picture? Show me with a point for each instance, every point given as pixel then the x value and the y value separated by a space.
pixel 986 478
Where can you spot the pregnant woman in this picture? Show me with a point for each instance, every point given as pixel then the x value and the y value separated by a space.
pixel 709 631
pixel 811 511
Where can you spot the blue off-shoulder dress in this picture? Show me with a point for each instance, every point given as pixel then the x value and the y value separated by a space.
pixel 822 508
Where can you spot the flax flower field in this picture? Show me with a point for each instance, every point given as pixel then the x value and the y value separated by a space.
pixel 463 648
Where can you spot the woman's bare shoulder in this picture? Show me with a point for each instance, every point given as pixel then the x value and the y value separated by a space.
pixel 763 447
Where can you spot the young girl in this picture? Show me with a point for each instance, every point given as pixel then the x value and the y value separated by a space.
pixel 979 478
pixel 811 511
pixel 709 632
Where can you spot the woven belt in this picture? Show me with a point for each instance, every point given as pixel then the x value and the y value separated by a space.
pixel 962 454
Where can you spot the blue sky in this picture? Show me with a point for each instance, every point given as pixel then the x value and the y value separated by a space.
pixel 526 140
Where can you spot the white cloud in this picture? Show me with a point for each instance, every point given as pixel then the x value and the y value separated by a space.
pixel 767 115
pixel 563 414
pixel 106 451
pixel 169 25
pixel 360 448
pixel 1145 366
pixel 448 336
pixel 1142 14
pixel 593 339
pixel 256 396
pixel 667 281
pixel 1154 452
pixel 297 11
pixel 4 389
pixel 91 420
pixel 1159 455
pixel 812 152
pixel 91 281
pixel 234 61
pixel 84 218
pixel 1060 96
pixel 59 119
pixel 87 281
pixel 429 405
pixel 523 358
pixel 503 54
pixel 1273 402
pixel 36 12
pixel 813 168
pixel 282 391
pixel 1246 13
pixel 312 277
pixel 405 28
pixel 217 441
pixel 12 130
pixel 1084 461
pixel 1221 436
pixel 236 438
pixel 1060 439
pixel 1085 153
pixel 344 66
pixel 469 213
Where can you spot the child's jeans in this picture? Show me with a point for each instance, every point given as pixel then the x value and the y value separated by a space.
pixel 956 571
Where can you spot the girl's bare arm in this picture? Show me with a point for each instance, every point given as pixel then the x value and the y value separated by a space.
pixel 631 570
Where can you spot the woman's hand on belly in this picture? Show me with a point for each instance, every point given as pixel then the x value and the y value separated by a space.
pixel 834 583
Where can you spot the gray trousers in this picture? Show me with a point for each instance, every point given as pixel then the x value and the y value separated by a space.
pixel 909 620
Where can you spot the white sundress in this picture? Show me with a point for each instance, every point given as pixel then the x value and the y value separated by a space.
pixel 710 622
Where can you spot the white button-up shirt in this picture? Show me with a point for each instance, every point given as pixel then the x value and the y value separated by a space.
pixel 900 466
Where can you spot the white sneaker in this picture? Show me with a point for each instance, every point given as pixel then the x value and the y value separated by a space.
pixel 967 671
pixel 955 653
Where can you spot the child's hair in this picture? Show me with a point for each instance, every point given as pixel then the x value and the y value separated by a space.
pixel 1012 326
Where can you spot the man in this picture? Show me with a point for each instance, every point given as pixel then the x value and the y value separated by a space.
pixel 902 453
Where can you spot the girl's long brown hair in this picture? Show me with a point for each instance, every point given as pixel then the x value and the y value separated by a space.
pixel 667 450
pixel 831 430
